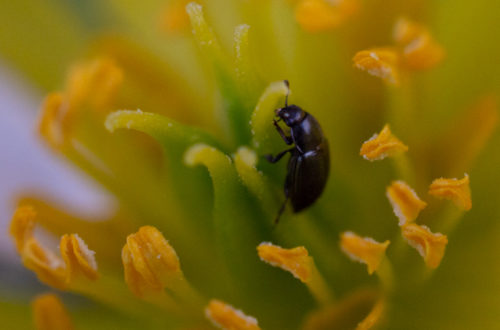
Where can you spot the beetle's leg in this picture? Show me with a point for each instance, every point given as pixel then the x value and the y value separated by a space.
pixel 280 212
pixel 288 139
pixel 276 158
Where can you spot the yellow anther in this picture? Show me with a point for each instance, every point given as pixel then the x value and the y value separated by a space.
pixel 50 269
pixel 405 202
pixel 22 225
pixel 455 190
pixel 51 126
pixel 174 17
pixel 323 15
pixel 430 246
pixel 419 50
pixel 382 145
pixel 227 317
pixel 50 314
pixel 363 249
pixel 379 62
pixel 78 258
pixel 374 317
pixel 296 261
pixel 150 262
pixel 95 82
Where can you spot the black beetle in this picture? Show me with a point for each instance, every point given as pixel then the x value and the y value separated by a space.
pixel 309 163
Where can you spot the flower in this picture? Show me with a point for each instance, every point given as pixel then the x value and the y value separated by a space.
pixel 172 112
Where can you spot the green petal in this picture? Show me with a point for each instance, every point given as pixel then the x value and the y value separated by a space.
pixel 235 114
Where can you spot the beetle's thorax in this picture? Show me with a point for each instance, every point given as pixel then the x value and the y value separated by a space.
pixel 291 114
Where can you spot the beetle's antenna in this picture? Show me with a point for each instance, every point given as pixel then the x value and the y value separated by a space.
pixel 287 91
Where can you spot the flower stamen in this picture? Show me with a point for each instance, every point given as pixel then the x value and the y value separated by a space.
pixel 363 249
pixel 419 49
pixel 405 202
pixel 297 262
pixel 374 317
pixel 149 261
pixel 77 257
pixel 323 15
pixel 50 269
pixel 50 314
pixel 174 18
pixel 225 316
pixel 429 245
pixel 379 62
pixel 458 191
pixel 382 145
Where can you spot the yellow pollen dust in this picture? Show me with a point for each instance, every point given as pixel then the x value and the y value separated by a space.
pixel 50 314
pixel 379 62
pixel 455 190
pixel 324 15
pixel 50 269
pixel 227 317
pixel 430 246
pixel 382 145
pixel 363 249
pixel 419 49
pixel 405 202
pixel 150 263
pixel 174 17
pixel 296 261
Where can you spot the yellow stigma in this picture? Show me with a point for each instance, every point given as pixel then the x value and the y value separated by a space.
pixel 296 261
pixel 50 314
pixel 50 269
pixel 174 18
pixel 382 145
pixel 405 202
pixel 379 62
pixel 150 263
pixel 78 258
pixel 363 249
pixel 227 317
pixel 430 246
pixel 323 15
pixel 455 190
pixel 419 50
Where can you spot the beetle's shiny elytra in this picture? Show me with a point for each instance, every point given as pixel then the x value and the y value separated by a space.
pixel 309 163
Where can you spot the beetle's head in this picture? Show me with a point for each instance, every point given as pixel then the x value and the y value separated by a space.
pixel 290 114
